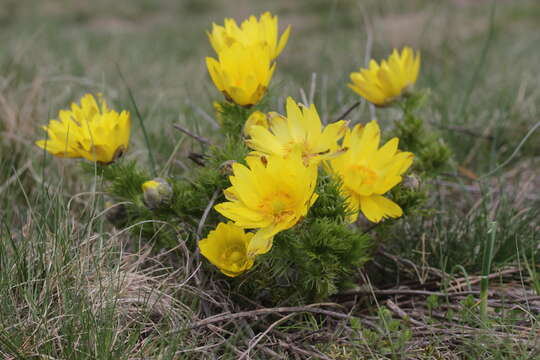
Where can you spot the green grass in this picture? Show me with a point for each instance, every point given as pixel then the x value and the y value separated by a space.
pixel 74 287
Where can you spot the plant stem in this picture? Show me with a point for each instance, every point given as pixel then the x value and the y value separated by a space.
pixel 487 257
pixel 141 122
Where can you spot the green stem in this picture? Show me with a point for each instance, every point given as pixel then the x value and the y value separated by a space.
pixel 487 257
pixel 141 122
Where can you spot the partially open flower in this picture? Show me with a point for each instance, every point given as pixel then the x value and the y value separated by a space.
pixel 367 172
pixel 156 193
pixel 272 194
pixel 242 73
pixel 91 131
pixel 382 84
pixel 301 131
pixel 227 248
pixel 250 32
pixel 257 118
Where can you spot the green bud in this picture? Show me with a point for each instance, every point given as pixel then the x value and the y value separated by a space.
pixel 157 193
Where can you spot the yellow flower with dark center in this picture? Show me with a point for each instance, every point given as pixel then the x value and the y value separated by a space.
pixel 382 84
pixel 91 131
pixel 242 73
pixel 227 248
pixel 301 131
pixel 367 172
pixel 250 32
pixel 257 118
pixel 271 194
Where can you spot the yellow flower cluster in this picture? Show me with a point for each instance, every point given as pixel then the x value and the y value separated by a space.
pixel 276 187
pixel 91 131
pixel 245 57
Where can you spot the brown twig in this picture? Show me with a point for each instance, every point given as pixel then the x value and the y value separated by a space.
pixel 199 138
pixel 255 341
pixel 461 282
pixel 398 292
pixel 197 158
pixel 347 112
pixel 311 354
pixel 398 260
pixel 402 314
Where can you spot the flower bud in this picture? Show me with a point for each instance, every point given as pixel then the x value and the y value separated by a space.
pixel 411 182
pixel 156 193
pixel 256 118
pixel 116 214
pixel 226 168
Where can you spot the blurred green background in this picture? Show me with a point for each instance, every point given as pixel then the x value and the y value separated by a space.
pixel 482 69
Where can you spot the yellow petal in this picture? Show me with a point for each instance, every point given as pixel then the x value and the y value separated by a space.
pixel 376 207
pixel 261 243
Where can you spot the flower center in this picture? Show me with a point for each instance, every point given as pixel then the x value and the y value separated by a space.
pixel 304 147
pixel 233 255
pixel 278 205
pixel 367 175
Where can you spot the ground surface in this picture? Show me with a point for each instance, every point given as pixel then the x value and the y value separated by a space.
pixel 71 289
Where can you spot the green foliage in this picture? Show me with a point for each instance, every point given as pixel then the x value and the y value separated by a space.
pixel 431 153
pixel 125 178
pixel 391 339
pixel 457 239
pixel 330 204
pixel 233 118
pixel 410 198
pixel 191 194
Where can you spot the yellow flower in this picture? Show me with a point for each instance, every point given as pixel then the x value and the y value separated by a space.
pixel 242 73
pixel 91 131
pixel 301 131
pixel 251 32
pixel 367 172
pixel 272 195
pixel 382 84
pixel 257 118
pixel 227 248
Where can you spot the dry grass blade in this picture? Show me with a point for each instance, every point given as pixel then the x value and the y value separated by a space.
pixel 267 311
